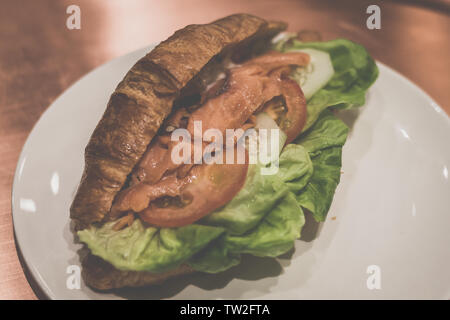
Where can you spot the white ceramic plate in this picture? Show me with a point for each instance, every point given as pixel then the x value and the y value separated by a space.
pixel 390 214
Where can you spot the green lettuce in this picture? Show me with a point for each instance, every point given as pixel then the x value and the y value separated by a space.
pixel 151 249
pixel 296 167
pixel 265 229
pixel 324 143
pixel 266 216
pixel 259 195
pixel 273 236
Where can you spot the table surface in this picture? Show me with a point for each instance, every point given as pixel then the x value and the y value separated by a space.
pixel 40 58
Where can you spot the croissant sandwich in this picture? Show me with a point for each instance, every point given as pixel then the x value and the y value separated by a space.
pixel 214 145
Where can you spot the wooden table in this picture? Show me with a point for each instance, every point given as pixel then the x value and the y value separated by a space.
pixel 40 58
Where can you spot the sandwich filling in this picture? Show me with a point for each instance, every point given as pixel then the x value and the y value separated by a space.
pixel 167 194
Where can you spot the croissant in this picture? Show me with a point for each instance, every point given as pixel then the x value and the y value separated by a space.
pixel 150 93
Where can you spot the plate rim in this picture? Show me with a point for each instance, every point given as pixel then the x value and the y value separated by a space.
pixel 16 233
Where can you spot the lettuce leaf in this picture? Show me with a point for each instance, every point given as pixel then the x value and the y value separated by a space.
pixel 215 258
pixel 273 236
pixel 324 141
pixel 319 192
pixel 296 167
pixel 151 249
pixel 258 196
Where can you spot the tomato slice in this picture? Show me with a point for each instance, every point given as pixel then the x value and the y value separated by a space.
pixel 295 118
pixel 212 186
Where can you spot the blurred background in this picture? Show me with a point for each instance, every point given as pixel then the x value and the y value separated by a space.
pixel 40 58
